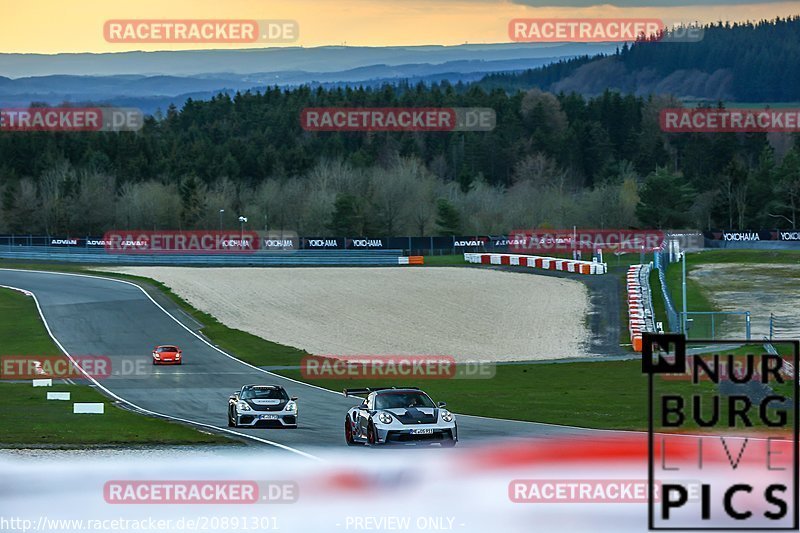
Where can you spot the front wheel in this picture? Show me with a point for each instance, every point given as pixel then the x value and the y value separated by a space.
pixel 372 437
pixel 448 443
pixel 231 420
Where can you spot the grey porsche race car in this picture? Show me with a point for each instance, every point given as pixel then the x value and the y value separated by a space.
pixel 398 415
pixel 262 406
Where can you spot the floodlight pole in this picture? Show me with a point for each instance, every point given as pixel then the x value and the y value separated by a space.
pixel 574 244
pixel 242 220
pixel 683 288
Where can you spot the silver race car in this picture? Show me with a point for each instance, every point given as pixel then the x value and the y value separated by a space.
pixel 262 406
pixel 398 415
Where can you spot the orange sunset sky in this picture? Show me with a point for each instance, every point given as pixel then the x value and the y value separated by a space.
pixel 52 26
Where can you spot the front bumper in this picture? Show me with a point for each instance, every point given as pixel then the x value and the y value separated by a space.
pixel 269 419
pixel 171 361
pixel 399 433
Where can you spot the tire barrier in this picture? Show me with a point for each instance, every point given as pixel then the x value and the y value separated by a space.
pixel 640 304
pixel 533 261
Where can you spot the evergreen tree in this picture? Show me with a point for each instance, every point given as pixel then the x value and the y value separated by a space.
pixel 448 221
pixel 664 200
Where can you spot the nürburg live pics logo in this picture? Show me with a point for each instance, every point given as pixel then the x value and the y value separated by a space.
pixel 723 434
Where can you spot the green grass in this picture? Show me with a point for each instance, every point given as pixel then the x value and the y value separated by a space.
pixel 21 329
pixel 27 418
pixel 601 395
pixel 696 297
pixel 445 260
pixel 743 256
pixel 607 395
pixel 659 306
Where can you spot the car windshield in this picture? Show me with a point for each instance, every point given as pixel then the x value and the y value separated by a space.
pixel 264 394
pixel 163 349
pixel 401 400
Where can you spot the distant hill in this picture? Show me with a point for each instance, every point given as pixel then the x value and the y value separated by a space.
pixel 154 80
pixel 249 61
pixel 734 62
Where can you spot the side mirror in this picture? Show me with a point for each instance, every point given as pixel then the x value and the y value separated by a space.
pixel 362 407
pixel 442 404
pixel 293 398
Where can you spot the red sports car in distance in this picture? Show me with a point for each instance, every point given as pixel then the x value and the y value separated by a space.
pixel 167 355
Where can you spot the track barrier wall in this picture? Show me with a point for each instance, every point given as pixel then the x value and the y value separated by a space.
pixel 640 304
pixel 296 258
pixel 532 261
pixel 661 262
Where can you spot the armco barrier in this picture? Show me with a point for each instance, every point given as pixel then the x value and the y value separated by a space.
pixel 661 262
pixel 532 261
pixel 297 258
pixel 640 303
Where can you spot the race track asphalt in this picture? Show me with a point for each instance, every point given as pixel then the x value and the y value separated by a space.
pixel 90 315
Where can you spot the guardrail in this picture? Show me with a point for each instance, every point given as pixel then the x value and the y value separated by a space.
pixel 533 261
pixel 770 349
pixel 296 258
pixel 661 263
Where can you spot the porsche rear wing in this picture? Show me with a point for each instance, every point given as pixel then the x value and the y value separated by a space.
pixel 367 390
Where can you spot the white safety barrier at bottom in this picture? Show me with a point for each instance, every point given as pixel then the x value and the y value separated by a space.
pixel 58 395
pixel 42 382
pixel 88 408
pixel 532 261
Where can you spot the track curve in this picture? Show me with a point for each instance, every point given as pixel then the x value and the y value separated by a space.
pixel 92 315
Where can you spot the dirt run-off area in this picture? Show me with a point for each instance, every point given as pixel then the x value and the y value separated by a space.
pixel 470 314
pixel 761 289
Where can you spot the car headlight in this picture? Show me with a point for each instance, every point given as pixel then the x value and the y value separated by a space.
pixel 177 356
pixel 291 406
pixel 447 416
pixel 385 418
pixel 156 355
pixel 242 406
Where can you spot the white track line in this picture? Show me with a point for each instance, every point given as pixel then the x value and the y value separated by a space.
pixel 128 402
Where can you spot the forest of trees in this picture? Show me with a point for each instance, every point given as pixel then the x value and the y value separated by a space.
pixel 743 62
pixel 553 160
